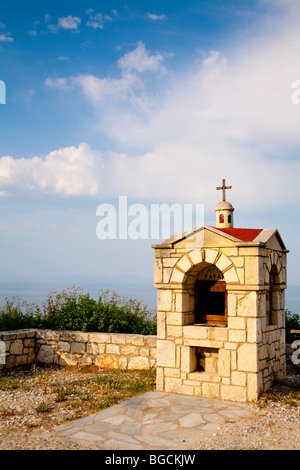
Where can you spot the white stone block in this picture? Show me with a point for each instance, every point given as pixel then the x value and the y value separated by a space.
pixel 177 276
pixel 161 325
pixel 195 332
pixel 224 362
pixel 236 323
pixel 252 330
pixel 247 357
pixel 233 393
pixel 159 379
pixel 254 270
pixel 241 275
pixel 188 359
pixel 237 336
pixel 239 378
pixel 182 302
pixel 231 304
pixel 253 386
pixel 210 256
pixel 138 363
pixel 174 331
pixel 166 353
pixel 158 276
pixel 238 261
pixel 175 318
pixel 196 256
pixel 210 390
pixel 231 276
pixel 167 275
pixel 169 262
pixel 112 349
pixel 99 338
pixel 223 262
pixel 184 264
pixel 247 305
pixel 164 300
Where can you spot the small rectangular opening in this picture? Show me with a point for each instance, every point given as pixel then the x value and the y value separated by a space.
pixel 207 360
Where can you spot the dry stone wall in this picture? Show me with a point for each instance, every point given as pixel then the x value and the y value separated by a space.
pixel 105 350
pixel 18 348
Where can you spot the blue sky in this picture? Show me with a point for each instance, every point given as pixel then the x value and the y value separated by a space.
pixel 155 100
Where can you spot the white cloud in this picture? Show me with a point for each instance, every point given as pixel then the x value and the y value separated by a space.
pixel 69 22
pixel 52 28
pixel 154 17
pixel 96 89
pixel 68 171
pixel 97 20
pixel 140 60
pixel 61 83
pixel 172 172
pixel 99 88
pixel 6 37
pixel 228 116
pixel 243 98
pixel 124 88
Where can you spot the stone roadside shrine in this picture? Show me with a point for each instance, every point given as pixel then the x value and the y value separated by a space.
pixel 221 310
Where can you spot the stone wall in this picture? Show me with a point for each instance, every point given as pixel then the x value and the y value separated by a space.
pixel 106 350
pixel 122 351
pixel 19 348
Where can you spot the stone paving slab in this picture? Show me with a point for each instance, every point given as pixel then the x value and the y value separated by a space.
pixel 154 421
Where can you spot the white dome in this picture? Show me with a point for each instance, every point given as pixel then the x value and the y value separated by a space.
pixel 224 205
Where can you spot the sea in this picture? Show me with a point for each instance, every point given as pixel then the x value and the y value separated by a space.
pixel 37 292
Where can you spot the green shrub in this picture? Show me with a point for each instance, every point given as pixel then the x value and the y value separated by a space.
pixel 43 407
pixel 72 310
pixel 18 315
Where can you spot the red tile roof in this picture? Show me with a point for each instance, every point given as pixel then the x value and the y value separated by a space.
pixel 244 234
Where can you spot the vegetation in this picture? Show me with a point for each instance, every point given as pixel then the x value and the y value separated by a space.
pixel 110 313
pixel 73 310
pixel 56 395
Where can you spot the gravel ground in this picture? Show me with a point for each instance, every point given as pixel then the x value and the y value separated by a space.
pixel 33 404
pixel 274 425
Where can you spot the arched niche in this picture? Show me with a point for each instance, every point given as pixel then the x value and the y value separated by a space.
pixel 203 277
pixel 210 297
pixel 273 296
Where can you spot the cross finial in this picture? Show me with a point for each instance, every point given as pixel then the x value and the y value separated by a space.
pixel 224 187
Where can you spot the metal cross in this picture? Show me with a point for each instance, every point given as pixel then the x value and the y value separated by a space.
pixel 224 187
